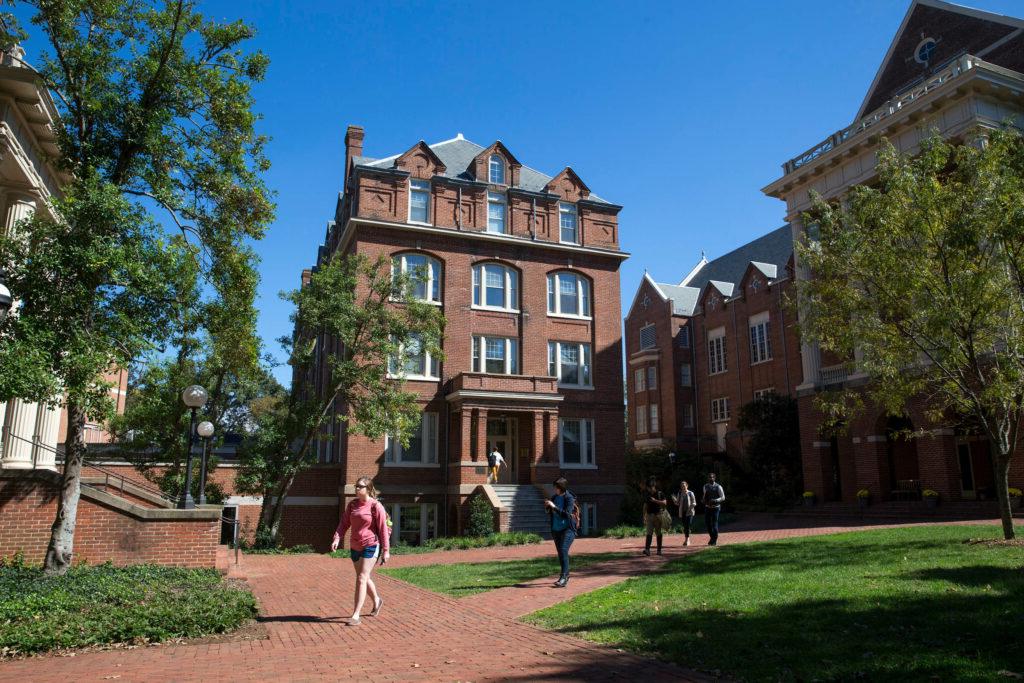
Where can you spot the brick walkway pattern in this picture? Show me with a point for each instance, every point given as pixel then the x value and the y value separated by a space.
pixel 419 635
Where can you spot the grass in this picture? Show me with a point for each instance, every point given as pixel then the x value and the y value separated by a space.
pixel 909 604
pixel 98 605
pixel 303 549
pixel 460 543
pixel 464 579
pixel 630 530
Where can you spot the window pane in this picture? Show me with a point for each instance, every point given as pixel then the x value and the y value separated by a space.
pixel 587 381
pixel 415 356
pixel 409 527
pixel 585 289
pixel 416 268
pixel 414 453
pixel 513 289
pixel 495 355
pixel 476 285
pixel 551 294
pixel 496 170
pixel 570 355
pixel 495 287
pixel 568 298
pixel 567 223
pixel 513 356
pixel 552 359
pixel 495 212
pixel 477 341
pixel 571 441
pixel 419 202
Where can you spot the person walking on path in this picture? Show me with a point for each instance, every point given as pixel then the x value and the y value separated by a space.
pixel 564 521
pixel 714 495
pixel 369 523
pixel 495 462
pixel 656 510
pixel 686 502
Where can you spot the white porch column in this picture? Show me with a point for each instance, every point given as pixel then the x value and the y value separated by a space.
pixel 20 431
pixel 18 209
pixel 47 425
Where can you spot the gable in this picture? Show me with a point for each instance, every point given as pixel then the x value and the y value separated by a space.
pixel 955 31
pixel 479 167
pixel 420 161
pixel 648 297
pixel 568 186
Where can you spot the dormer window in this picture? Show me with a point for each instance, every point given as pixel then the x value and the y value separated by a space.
pixel 496 211
pixel 419 201
pixel 496 170
pixel 568 230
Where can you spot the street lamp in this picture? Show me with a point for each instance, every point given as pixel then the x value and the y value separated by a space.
pixel 195 398
pixel 205 431
pixel 6 300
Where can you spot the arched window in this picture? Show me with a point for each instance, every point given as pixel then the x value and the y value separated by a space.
pixel 495 286
pixel 568 294
pixel 496 170
pixel 424 272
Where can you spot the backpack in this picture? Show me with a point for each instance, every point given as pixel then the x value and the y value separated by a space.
pixel 576 515
pixel 387 523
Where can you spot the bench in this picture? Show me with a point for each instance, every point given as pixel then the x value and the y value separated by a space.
pixel 907 489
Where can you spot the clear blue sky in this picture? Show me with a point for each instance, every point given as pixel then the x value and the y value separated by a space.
pixel 679 111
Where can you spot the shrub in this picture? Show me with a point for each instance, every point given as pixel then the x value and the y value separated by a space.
pixel 481 517
pixel 930 493
pixel 863 493
pixel 104 604
pixel 1014 492
pixel 808 494
pixel 461 543
pixel 293 550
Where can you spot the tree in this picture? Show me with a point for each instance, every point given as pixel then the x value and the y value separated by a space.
pixel 156 125
pixel 368 314
pixel 921 278
pixel 773 447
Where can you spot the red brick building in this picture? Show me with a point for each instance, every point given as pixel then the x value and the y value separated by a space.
pixel 699 349
pixel 525 267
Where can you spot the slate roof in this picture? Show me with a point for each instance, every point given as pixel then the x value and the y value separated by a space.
pixel 769 253
pixel 457 154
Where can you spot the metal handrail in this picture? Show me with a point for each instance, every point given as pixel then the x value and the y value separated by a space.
pixel 234 532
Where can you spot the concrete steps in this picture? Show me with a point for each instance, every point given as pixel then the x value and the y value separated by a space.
pixel 525 505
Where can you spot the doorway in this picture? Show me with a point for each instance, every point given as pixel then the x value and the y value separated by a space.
pixel 500 433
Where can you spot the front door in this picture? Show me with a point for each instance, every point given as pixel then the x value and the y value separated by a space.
pixel 499 436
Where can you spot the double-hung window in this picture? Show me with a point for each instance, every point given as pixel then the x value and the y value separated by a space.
pixel 568 224
pixel 640 380
pixel 652 377
pixel 684 337
pixel 654 418
pixel 641 419
pixel 717 357
pixel 422 448
pixel 719 409
pixel 419 201
pixel 496 170
pixel 568 294
pixel 688 416
pixel 413 361
pixel 496 355
pixel 497 206
pixel 576 442
pixel 414 523
pixel 760 339
pixel 424 273
pixel 685 375
pixel 570 362
pixel 763 393
pixel 496 287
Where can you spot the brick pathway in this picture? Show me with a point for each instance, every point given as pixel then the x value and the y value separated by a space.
pixel 418 636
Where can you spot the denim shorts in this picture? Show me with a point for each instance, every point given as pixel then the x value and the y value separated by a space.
pixel 367 553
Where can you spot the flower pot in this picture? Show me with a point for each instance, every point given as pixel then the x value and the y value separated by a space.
pixel 931 501
pixel 1016 502
pixel 863 502
pixel 810 502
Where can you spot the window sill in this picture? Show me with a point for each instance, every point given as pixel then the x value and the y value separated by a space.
pixel 413 464
pixel 574 244
pixel 495 232
pixel 422 301
pixel 568 316
pixel 413 378
pixel 715 374
pixel 576 466
pixel 477 307
pixel 427 223
pixel 718 422
pixel 762 362
pixel 496 374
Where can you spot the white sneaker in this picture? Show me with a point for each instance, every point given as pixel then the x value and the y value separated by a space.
pixel 687 541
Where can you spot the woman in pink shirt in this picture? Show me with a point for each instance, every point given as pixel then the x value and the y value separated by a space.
pixel 369 523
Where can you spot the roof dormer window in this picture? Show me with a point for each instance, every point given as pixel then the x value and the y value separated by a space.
pixel 496 170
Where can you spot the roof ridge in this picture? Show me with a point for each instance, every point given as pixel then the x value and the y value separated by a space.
pixel 747 244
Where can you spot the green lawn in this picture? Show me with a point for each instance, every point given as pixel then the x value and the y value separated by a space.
pixel 93 605
pixel 912 603
pixel 469 578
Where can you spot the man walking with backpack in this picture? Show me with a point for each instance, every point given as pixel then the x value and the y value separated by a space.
pixel 714 495
pixel 565 524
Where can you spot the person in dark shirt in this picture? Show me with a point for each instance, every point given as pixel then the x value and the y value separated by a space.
pixel 654 504
pixel 563 525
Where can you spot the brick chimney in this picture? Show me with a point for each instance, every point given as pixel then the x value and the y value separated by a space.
pixel 353 148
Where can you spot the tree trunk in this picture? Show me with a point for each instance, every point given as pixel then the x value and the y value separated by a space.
pixel 1002 472
pixel 62 534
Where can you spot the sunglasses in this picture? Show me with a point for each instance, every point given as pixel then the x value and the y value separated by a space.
pixel 361 486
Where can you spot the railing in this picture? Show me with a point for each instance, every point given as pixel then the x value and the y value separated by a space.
pixel 478 381
pixel 833 374
pixel 234 532
pixel 893 106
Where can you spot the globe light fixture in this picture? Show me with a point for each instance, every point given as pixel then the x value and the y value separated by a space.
pixel 6 300
pixel 205 431
pixel 194 397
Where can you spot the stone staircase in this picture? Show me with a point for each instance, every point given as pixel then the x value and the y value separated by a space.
pixel 525 505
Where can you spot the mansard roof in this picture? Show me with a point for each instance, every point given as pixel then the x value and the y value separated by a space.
pixel 458 155
pixel 956 30
pixel 770 254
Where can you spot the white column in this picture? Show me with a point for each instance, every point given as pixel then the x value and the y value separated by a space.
pixel 47 425
pixel 21 427
pixel 18 209
pixel 810 354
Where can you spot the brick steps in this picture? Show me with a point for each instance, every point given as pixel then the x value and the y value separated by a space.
pixel 525 505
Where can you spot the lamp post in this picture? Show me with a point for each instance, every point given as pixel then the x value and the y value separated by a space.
pixel 6 300
pixel 205 431
pixel 195 398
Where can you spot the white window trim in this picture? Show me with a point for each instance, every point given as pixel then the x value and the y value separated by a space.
pixel 481 349
pixel 652 373
pixel 428 362
pixel 723 415
pixel 396 518
pixel 568 208
pixel 432 265
pixel 553 288
pixel 688 422
pixel 558 364
pixel 652 346
pixel 503 202
pixel 427 416
pixel 639 380
pixel 717 335
pixel 429 195
pixel 653 422
pixel 504 171
pixel 583 455
pixel 588 510
pixel 509 273
pixel 760 393
pixel 755 322
pixel 641 420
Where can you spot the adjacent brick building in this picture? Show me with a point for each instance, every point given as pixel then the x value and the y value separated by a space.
pixel 699 349
pixel 525 267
